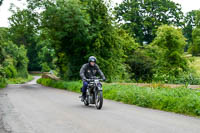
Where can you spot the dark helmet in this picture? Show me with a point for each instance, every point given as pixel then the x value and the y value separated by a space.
pixel 92 59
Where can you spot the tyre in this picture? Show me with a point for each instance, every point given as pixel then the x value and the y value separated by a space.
pixel 99 100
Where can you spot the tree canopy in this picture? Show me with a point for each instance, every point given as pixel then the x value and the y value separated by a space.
pixel 60 35
pixel 80 29
pixel 143 17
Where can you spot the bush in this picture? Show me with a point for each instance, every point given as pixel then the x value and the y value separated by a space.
pixel 2 77
pixel 45 67
pixel 19 80
pixel 143 62
pixel 171 62
pixel 10 71
pixel 3 82
pixel 20 60
pixel 179 100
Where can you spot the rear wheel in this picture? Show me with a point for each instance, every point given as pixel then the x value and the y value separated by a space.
pixel 99 100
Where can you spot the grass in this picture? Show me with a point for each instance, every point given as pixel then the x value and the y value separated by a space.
pixel 19 80
pixel 3 83
pixel 178 100
pixel 195 64
pixel 36 74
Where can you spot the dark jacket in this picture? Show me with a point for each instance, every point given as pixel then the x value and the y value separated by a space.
pixel 88 71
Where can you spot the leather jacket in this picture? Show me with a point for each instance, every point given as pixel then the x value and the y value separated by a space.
pixel 87 71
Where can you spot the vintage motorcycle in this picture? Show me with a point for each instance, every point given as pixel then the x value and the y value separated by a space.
pixel 94 94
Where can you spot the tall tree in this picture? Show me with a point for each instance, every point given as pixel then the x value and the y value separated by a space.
pixel 191 31
pixel 190 23
pixel 195 46
pixel 80 29
pixel 67 26
pixel 24 31
pixel 172 42
pixel 198 19
pixel 142 17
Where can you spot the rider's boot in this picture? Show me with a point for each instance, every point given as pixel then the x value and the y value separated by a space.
pixel 83 96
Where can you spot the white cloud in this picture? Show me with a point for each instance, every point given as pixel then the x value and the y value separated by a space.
pixel 5 13
pixel 188 5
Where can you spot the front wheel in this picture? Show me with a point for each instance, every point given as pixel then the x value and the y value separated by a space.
pixel 99 100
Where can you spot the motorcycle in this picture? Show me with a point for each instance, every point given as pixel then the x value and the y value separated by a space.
pixel 94 94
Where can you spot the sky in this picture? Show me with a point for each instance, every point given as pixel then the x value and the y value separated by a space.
pixel 187 5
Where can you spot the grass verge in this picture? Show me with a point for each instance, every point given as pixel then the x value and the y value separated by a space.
pixel 19 80
pixel 3 83
pixel 178 100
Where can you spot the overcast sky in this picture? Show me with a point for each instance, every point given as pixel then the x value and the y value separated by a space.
pixel 187 5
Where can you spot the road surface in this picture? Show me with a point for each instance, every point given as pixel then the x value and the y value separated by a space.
pixel 32 108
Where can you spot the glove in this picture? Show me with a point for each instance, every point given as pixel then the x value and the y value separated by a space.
pixel 104 79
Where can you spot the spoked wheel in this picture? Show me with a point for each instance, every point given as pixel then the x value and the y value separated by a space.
pixel 99 100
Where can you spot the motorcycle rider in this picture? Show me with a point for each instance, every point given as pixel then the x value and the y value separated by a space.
pixel 88 71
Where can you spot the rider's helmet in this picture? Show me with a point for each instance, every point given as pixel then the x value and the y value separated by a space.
pixel 92 59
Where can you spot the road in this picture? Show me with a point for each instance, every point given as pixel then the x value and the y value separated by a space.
pixel 32 108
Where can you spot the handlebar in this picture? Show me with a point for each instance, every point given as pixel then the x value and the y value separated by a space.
pixel 91 80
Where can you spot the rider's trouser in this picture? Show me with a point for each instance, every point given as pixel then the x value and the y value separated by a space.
pixel 84 88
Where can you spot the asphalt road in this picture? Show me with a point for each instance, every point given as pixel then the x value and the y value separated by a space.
pixel 32 108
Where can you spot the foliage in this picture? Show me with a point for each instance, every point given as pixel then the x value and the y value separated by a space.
pixel 10 71
pixel 24 31
pixel 171 62
pixel 20 80
pixel 178 100
pixel 20 60
pixel 81 29
pixel 195 47
pixel 68 33
pixel 3 82
pixel 189 21
pixel 64 33
pixel 47 53
pixel 142 17
pixel 71 86
pixel 13 58
pixel 197 21
pixel 143 62
pixel 45 67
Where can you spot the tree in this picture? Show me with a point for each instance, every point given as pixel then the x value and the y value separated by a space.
pixel 13 57
pixel 24 31
pixel 191 31
pixel 67 26
pixel 108 42
pixel 142 17
pixel 79 29
pixel 198 19
pixel 190 23
pixel 47 53
pixel 195 47
pixel 172 42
